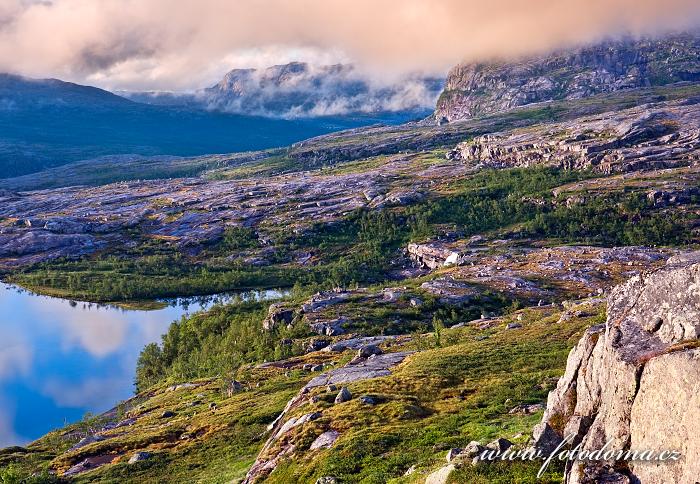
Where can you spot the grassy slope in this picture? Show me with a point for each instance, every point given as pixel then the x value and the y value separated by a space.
pixel 441 397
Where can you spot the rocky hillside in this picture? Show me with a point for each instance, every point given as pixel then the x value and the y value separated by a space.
pixel 482 88
pixel 633 381
pixel 440 276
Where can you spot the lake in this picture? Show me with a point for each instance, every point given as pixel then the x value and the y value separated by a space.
pixel 60 359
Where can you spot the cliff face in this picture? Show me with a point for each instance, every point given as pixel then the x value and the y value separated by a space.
pixel 482 88
pixel 633 381
pixel 640 138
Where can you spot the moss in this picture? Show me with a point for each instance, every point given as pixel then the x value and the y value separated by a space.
pixel 438 399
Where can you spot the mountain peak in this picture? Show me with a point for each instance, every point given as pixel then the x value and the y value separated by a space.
pixel 300 89
pixel 475 89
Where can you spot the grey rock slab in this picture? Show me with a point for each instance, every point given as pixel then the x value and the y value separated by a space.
pixel 374 367
pixel 325 440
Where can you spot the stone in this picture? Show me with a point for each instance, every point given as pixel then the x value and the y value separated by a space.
pixel 514 326
pixel 325 440
pixel 139 456
pixel 416 302
pixel 233 387
pixel 500 445
pixel 343 396
pixel 327 480
pixel 373 367
pixel 316 345
pixel 369 350
pixel 441 475
pixel 472 449
pixel 632 382
pixel 545 438
pixel 277 315
pixel 88 440
pixel 665 414
pixel 356 343
pixel 181 386
pixel 367 400
pixel 527 409
pixel 167 414
pixel 452 453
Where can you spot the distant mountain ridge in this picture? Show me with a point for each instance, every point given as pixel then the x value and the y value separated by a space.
pixel 47 122
pixel 481 88
pixel 21 92
pixel 299 89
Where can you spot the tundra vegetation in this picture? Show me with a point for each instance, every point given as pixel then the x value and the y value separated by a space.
pixel 471 256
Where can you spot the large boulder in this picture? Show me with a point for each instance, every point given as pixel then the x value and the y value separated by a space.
pixel 633 383
pixel 277 315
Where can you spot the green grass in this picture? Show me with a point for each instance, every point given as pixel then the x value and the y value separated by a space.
pixel 441 398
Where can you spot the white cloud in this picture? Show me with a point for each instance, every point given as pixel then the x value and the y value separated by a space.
pixel 161 44
pixel 97 331
pixel 15 355
pixel 8 436
pixel 93 393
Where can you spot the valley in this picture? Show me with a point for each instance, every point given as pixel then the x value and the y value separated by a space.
pixel 436 276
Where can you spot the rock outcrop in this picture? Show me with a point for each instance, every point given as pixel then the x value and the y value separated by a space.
pixel 632 383
pixel 477 89
pixel 639 138
pixel 277 447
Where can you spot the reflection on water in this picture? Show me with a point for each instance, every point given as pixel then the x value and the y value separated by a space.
pixel 60 359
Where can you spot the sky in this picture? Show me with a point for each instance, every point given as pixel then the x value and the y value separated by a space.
pixel 189 44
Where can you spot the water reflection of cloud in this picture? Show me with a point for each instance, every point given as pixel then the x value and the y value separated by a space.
pixel 92 393
pixel 8 436
pixel 15 355
pixel 98 332
pixel 58 361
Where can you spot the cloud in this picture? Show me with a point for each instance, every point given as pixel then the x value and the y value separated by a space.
pixel 15 355
pixel 100 332
pixel 160 44
pixel 93 393
pixel 8 435
pixel 302 90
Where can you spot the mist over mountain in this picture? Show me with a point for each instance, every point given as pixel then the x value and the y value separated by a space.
pixel 303 90
pixel 47 123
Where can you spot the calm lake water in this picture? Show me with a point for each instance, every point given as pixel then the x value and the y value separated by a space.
pixel 60 359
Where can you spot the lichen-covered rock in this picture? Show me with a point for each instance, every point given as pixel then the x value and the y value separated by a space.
pixel 665 415
pixel 343 396
pixel 433 255
pixel 139 456
pixel 630 140
pixel 632 384
pixel 325 440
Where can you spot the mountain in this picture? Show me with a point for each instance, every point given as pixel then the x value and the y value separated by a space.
pixel 46 123
pixel 299 90
pixel 483 88
pixel 442 274
pixel 18 93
